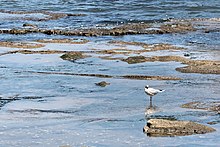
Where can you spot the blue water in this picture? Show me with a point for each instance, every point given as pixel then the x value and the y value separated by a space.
pixel 115 12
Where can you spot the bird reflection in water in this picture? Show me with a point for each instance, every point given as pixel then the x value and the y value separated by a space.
pixel 151 109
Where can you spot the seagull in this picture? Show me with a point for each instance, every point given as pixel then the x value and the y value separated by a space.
pixel 151 92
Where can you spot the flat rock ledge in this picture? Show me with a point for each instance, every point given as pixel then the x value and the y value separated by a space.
pixel 206 105
pixel 162 127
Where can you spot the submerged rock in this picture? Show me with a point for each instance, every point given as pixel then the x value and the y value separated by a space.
pixel 207 67
pixel 213 122
pixel 72 56
pixel 29 25
pixel 102 84
pixel 162 127
pixel 69 41
pixel 20 44
pixel 38 52
pixel 139 59
pixel 193 66
pixel 210 106
pixel 135 59
pixel 145 77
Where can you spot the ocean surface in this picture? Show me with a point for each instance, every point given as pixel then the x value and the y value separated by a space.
pixel 108 12
pixel 120 10
pixel 64 110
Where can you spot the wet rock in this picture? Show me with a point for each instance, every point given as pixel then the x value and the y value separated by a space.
pixel 31 97
pixel 73 74
pixel 162 127
pixel 36 52
pixel 145 45
pixel 20 44
pixel 177 27
pixel 210 106
pixel 213 122
pixel 65 146
pixel 194 66
pixel 102 84
pixel 4 101
pixel 139 59
pixel 126 29
pixel 70 41
pixel 207 67
pixel 29 25
pixel 112 52
pixel 68 146
pixel 135 59
pixel 186 54
pixel 149 47
pixel 72 56
pixel 171 26
pixel 143 77
pixel 161 46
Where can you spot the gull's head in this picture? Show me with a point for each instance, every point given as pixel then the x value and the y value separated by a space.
pixel 147 86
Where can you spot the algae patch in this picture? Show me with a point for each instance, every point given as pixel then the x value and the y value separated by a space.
pixel 20 45
pixel 148 47
pixel 135 59
pixel 102 84
pixel 70 41
pixel 193 66
pixel 144 77
pixel 72 56
pixel 210 106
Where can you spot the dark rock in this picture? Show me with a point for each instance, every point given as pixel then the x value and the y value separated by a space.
pixel 213 122
pixel 135 59
pixel 187 54
pixel 36 52
pixel 72 56
pixel 102 84
pixel 145 77
pixel 29 25
pixel 74 74
pixel 162 127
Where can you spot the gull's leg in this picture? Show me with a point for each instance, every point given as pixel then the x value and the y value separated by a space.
pixel 151 101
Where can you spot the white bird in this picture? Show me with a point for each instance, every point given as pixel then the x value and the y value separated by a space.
pixel 151 92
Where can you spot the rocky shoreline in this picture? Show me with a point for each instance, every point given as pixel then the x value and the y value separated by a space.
pixel 164 27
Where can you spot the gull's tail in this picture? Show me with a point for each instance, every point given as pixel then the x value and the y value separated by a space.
pixel 161 90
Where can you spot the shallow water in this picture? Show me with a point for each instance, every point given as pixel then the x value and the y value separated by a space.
pixel 72 110
pixel 58 109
